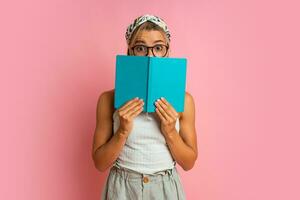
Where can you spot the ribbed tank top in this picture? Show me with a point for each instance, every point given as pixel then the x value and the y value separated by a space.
pixel 145 150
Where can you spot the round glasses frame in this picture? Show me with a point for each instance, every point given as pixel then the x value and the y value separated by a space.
pixel 167 49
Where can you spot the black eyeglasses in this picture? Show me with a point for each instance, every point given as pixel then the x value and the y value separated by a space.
pixel 159 50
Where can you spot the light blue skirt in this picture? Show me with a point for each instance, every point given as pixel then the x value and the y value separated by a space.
pixel 125 184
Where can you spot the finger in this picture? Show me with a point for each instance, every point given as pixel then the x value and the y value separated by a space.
pixel 162 118
pixel 164 113
pixel 128 103
pixel 131 106
pixel 170 106
pixel 166 109
pixel 137 112
pixel 134 109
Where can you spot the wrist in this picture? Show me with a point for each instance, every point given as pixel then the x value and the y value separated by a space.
pixel 122 134
pixel 170 135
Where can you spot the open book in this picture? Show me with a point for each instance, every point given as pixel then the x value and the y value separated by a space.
pixel 150 78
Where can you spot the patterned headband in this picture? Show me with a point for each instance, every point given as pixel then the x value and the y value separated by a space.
pixel 142 19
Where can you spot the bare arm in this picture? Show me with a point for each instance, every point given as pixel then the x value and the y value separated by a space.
pixel 106 145
pixel 183 146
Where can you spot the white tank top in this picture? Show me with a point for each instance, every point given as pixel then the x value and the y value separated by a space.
pixel 145 150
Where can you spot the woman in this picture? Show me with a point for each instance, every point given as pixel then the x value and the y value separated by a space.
pixel 143 148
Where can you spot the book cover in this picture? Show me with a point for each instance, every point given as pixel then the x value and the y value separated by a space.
pixel 150 78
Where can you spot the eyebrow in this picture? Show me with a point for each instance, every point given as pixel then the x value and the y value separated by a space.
pixel 142 41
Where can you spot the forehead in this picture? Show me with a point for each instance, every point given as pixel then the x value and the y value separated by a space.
pixel 150 37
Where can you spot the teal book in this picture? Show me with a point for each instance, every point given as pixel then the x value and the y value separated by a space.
pixel 150 78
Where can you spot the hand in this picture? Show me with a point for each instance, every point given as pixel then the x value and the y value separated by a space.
pixel 167 115
pixel 127 113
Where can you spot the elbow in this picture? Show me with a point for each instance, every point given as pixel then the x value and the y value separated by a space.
pixel 99 166
pixel 189 165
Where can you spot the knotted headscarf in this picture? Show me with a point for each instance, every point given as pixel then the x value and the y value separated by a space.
pixel 142 19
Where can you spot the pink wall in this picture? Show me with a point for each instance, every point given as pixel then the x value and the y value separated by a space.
pixel 58 56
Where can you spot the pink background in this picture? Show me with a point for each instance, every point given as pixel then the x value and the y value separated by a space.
pixel 243 65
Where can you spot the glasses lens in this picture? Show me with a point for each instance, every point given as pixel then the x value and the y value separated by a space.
pixel 140 50
pixel 160 50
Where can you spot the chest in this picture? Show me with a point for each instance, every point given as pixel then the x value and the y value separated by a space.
pixel 145 131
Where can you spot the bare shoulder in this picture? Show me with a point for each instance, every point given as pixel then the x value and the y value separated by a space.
pixel 107 94
pixel 188 97
pixel 189 105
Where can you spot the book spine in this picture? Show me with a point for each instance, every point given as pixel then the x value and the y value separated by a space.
pixel 148 84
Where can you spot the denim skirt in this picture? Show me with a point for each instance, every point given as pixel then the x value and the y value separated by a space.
pixel 126 184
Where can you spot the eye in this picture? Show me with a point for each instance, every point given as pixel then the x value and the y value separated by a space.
pixel 140 48
pixel 158 47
